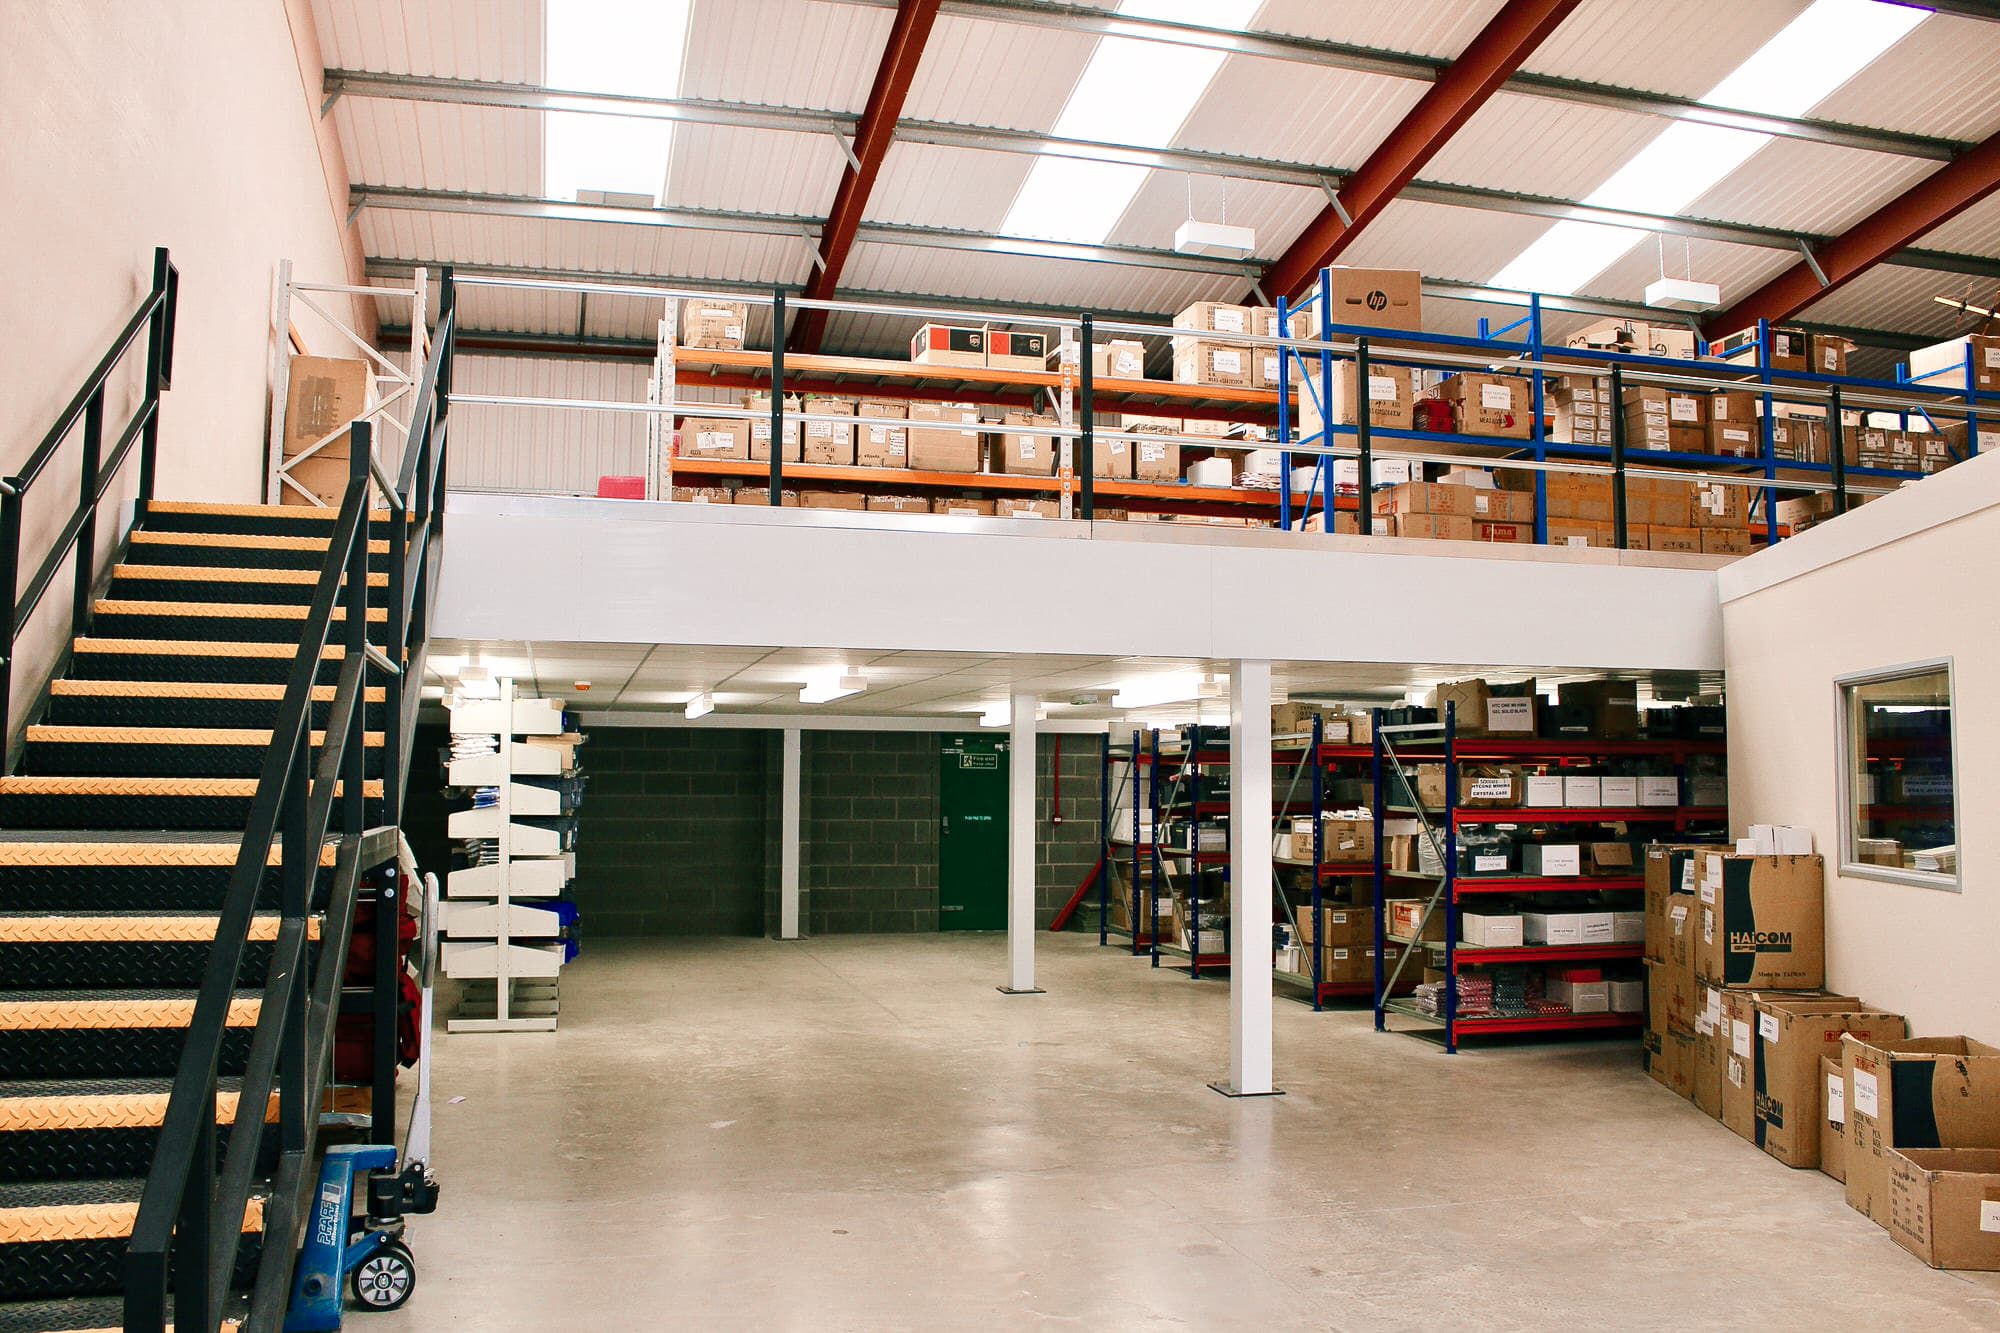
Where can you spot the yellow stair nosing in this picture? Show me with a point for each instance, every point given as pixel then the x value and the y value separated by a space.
pixel 183 689
pixel 106 1110
pixel 226 610
pixel 22 855
pixel 229 574
pixel 220 510
pixel 35 785
pixel 132 735
pixel 81 1014
pixel 199 647
pixel 246 541
pixel 190 928
pixel 88 1221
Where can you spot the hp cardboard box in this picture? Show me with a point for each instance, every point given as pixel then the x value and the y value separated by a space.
pixel 1382 298
pixel 1926 1092
pixel 1944 1206
pixel 1762 921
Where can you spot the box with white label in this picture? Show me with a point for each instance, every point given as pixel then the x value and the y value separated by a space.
pixel 1200 362
pixel 1495 930
pixel 1628 927
pixel 1552 927
pixel 1549 858
pixel 1619 793
pixel 1583 793
pixel 1545 793
pixel 1582 997
pixel 1659 791
pixel 1510 716
pixel 1598 927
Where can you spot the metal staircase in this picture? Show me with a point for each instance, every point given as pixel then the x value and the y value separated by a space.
pixel 205 794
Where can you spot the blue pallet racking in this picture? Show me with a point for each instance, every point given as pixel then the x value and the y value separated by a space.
pixel 1535 359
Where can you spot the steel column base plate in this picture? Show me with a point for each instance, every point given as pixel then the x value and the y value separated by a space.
pixel 1009 990
pixel 1228 1091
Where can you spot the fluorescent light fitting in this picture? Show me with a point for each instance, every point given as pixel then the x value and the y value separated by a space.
pixel 700 706
pixel 997 715
pixel 1218 240
pixel 827 688
pixel 1147 691
pixel 1682 294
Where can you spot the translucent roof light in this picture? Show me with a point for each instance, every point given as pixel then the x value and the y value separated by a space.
pixel 635 47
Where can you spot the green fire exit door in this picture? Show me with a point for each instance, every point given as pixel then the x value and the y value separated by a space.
pixel 972 834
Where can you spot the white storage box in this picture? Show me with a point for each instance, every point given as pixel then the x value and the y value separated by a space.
pixel 1545 793
pixel 1583 793
pixel 1490 930
pixel 1664 791
pixel 1552 927
pixel 1619 793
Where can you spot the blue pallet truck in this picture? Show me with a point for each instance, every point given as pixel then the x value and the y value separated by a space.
pixel 369 1251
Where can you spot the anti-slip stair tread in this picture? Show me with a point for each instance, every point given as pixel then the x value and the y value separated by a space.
pixel 79 1314
pixel 156 509
pixel 99 1010
pixel 95 846
pixel 100 1209
pixel 46 785
pixel 304 578
pixel 200 647
pixel 226 610
pixel 135 735
pixel 242 541
pixel 89 1106
pixel 129 926
pixel 193 689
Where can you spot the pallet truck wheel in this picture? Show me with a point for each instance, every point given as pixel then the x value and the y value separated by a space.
pixel 385 1278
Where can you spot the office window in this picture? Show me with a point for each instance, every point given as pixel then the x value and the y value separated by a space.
pixel 1900 787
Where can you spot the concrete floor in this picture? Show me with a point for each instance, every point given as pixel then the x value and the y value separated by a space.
pixel 861 1133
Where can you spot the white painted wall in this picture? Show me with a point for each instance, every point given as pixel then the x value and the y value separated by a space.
pixel 123 127
pixel 588 570
pixel 1905 579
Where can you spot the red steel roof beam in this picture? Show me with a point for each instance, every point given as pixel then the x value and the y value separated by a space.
pixel 1932 201
pixel 1488 61
pixel 872 137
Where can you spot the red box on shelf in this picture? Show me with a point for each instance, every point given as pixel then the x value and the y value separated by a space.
pixel 621 488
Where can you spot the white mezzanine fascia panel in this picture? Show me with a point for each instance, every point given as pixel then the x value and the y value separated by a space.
pixel 1011 75
pixel 1942 79
pixel 796 53
pixel 788 575
pixel 753 171
pixel 434 146
pixel 452 39
pixel 1437 28
pixel 1682 49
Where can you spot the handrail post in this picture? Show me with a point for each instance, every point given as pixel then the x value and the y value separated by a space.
pixel 1364 467
pixel 156 354
pixel 1086 407
pixel 1836 449
pixel 299 866
pixel 86 501
pixel 10 579
pixel 1619 512
pixel 194 1297
pixel 777 397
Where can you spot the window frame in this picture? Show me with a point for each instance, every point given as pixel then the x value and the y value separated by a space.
pixel 1844 745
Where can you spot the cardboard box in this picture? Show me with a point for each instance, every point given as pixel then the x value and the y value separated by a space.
pixel 1468 698
pixel 1029 455
pixel 1711 1040
pixel 832 443
pixel 761 495
pixel 1944 1206
pixel 936 449
pixel 1014 350
pixel 961 507
pixel 1436 527
pixel 1618 793
pixel 1792 1039
pixel 1636 338
pixel 1614 858
pixel 1407 917
pixel 949 345
pixel 1119 359
pixel 1659 791
pixel 1490 930
pixel 716 325
pixel 1628 995
pixel 323 394
pixel 1924 1092
pixel 1551 859
pixel 1582 997
pixel 699 495
pixel 1943 365
pixel 760 427
pixel 1347 841
pixel 1578 532
pixel 898 504
pixel 1382 298
pixel 1544 791
pixel 1216 317
pixel 1497 405
pixel 1762 921
pixel 1582 791
pixel 1832 1118
pixel 1156 460
pixel 1391 399
pixel 1511 714
pixel 833 500
pixel 1338 924
pixel 1670 1060
pixel 714 437
pixel 1613 706
pixel 1111 458
pixel 1725 541
pixel 1019 507
pixel 1552 927
pixel 1200 362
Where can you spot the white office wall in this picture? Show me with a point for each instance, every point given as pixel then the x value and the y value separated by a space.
pixel 123 127
pixel 1905 579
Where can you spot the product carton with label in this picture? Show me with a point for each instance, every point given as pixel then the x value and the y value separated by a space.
pixel 834 442
pixel 1511 714
pixel 1636 338
pixel 1944 1206
pixel 1433 527
pixel 848 500
pixel 1414 919
pixel 1762 921
pixel 715 325
pixel 1382 298
pixel 1347 841
pixel 949 345
pixel 1014 350
pixel 1490 786
pixel 1618 793
pixel 1391 399
pixel 1467 698
pixel 760 426
pixel 1552 927
pixel 714 437
pixel 1023 507
pixel 933 448
pixel 1119 359
pixel 1111 458
pixel 1832 1118
pixel 1582 793
pixel 1216 317
pixel 1545 792
pixel 1495 405
pixel 959 506
pixel 1669 1050
pixel 1156 460
pixel 1490 930
pixel 1943 365
pixel 1197 361
pixel 1791 1041
pixel 898 504
pixel 1925 1092
pixel 1026 453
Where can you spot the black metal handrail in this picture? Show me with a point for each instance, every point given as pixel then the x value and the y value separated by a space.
pixel 190 1219
pixel 156 316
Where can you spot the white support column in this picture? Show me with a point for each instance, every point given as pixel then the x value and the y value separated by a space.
pixel 1249 881
pixel 1021 848
pixel 791 809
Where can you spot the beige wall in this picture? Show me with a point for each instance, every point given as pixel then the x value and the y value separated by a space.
pixel 1925 591
pixel 129 125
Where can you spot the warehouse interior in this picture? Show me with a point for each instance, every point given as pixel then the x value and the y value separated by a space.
pixel 950 663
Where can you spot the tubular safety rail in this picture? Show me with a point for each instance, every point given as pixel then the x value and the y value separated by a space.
pixel 1308 363
pixel 190 1218
pixel 155 316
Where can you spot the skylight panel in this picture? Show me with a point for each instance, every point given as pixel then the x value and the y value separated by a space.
pixel 1132 92
pixel 635 47
pixel 1813 55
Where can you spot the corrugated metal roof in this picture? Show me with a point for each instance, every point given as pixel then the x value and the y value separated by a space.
pixel 1444 242
pixel 1942 79
pixel 1011 75
pixel 784 52
pixel 1683 48
pixel 1438 28
pixel 754 171
pixel 595 247
pixel 453 39
pixel 1296 113
pixel 429 146
pixel 1975 231
pixel 1071 284
pixel 1894 296
pixel 960 188
pixel 1737 269
pixel 545 450
pixel 1795 185
pixel 1534 145
pixel 1278 212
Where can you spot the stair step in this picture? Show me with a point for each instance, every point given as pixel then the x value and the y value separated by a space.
pixel 255 622
pixel 82 1314
pixel 194 752
pixel 82 951
pixel 68 1238
pixel 79 1129
pixel 212 583
pixel 51 1034
pixel 207 661
pixel 97 871
pixel 271 520
pixel 29 802
pixel 242 550
pixel 170 703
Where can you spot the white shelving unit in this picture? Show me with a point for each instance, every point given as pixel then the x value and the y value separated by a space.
pixel 488 935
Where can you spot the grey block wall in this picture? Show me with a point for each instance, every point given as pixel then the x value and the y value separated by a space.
pixel 1065 851
pixel 871 827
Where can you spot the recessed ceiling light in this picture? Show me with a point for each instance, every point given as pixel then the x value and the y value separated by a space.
pixel 830 686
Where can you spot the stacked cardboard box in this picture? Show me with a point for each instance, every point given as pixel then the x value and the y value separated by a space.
pixel 1580 406
pixel 1923 1126
pixel 1501 406
pixel 760 426
pixel 1119 359
pixel 323 394
pixel 949 345
pixel 878 438
pixel 1391 399
pixel 714 437
pixel 1734 418
pixel 1199 360
pixel 1670 419
pixel 831 443
pixel 1457 513
pixel 715 325
pixel 934 447
pixel 1025 452
pixel 1633 337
